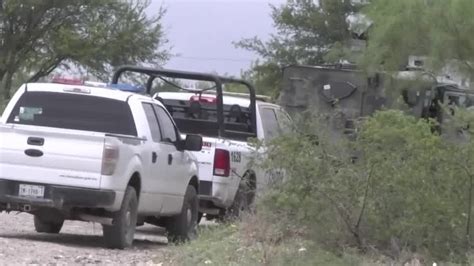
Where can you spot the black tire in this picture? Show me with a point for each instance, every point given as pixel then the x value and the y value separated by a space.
pixel 239 206
pixel 243 199
pixel 45 226
pixel 183 227
pixel 120 234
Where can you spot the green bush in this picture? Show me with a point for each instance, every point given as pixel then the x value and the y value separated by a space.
pixel 255 242
pixel 407 189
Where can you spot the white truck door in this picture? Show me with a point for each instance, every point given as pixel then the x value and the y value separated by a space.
pixel 153 191
pixel 271 130
pixel 175 166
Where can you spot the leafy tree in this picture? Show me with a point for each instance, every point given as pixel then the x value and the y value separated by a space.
pixel 37 37
pixel 307 32
pixel 440 30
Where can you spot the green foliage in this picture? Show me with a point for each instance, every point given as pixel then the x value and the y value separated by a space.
pixel 437 29
pixel 231 244
pixel 266 78
pixel 3 104
pixel 407 189
pixel 95 36
pixel 307 32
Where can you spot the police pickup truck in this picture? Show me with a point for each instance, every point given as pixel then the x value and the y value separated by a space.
pixel 76 152
pixel 229 183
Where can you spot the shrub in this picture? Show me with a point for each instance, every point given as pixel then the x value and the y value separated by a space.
pixel 255 241
pixel 407 189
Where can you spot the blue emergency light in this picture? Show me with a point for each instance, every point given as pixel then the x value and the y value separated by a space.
pixel 127 87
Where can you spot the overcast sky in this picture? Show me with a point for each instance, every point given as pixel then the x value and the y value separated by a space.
pixel 202 32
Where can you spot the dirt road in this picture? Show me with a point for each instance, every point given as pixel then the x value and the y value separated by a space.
pixel 78 243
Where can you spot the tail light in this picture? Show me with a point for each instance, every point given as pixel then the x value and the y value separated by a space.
pixel 110 156
pixel 221 162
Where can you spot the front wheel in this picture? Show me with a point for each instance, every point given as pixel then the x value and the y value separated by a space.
pixel 183 227
pixel 120 234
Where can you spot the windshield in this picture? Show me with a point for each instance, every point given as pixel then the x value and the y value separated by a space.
pixel 465 100
pixel 73 111
pixel 200 117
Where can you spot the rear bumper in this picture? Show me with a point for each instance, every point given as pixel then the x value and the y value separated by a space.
pixel 219 194
pixel 58 197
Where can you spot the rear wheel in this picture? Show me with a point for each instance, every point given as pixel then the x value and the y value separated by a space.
pixel 120 234
pixel 45 226
pixel 183 227
pixel 243 199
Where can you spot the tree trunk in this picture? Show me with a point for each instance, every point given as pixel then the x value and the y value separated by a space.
pixel 46 69
pixel 7 85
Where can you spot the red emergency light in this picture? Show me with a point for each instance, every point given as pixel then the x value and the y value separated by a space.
pixel 203 99
pixel 69 81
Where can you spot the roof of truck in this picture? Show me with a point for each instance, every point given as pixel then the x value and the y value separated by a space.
pixel 81 89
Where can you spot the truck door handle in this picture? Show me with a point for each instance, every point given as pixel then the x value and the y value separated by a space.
pixel 33 153
pixel 170 159
pixel 154 156
pixel 35 141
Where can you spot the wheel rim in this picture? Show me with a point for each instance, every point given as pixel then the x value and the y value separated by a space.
pixel 129 225
pixel 128 219
pixel 189 216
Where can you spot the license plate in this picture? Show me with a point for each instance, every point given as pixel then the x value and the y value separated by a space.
pixel 31 191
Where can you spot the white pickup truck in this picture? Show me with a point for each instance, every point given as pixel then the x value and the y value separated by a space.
pixel 69 151
pixel 228 182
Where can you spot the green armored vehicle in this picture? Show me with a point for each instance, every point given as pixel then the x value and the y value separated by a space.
pixel 345 94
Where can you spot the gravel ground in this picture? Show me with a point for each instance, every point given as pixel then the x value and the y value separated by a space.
pixel 79 243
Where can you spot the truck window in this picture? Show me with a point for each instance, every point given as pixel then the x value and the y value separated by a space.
pixel 152 122
pixel 284 121
pixel 270 123
pixel 73 111
pixel 194 117
pixel 168 131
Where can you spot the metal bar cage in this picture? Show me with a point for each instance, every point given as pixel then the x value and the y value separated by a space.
pixel 218 80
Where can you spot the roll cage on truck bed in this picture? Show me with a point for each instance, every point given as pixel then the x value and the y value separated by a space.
pixel 219 81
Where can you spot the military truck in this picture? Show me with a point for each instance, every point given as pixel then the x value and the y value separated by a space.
pixel 345 94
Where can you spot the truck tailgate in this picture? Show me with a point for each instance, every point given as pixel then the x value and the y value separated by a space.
pixel 205 158
pixel 49 155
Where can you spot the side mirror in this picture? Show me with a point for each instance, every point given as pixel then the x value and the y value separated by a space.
pixel 193 143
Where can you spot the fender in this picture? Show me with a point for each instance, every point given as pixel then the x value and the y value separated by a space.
pixel 133 166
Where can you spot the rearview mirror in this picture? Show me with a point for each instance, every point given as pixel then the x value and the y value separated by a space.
pixel 193 143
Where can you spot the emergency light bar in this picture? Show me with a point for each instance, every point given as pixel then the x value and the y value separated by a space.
pixel 120 86
pixel 69 81
pixel 127 87
pixel 203 99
